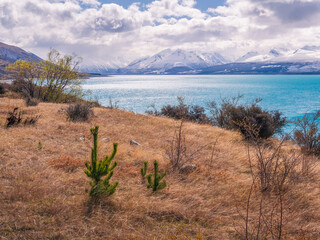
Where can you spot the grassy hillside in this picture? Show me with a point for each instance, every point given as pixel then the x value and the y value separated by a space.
pixel 42 188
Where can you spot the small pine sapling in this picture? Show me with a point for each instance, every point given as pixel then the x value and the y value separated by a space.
pixel 100 168
pixel 40 145
pixel 144 170
pixel 154 182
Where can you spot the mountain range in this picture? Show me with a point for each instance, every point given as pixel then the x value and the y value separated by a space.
pixel 305 60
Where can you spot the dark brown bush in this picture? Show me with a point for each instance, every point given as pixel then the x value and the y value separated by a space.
pixel 31 120
pixel 267 123
pixel 15 117
pixel 79 112
pixel 193 113
pixel 307 134
pixel 231 115
pixel 2 89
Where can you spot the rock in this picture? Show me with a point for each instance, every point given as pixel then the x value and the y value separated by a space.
pixel 81 138
pixel 132 142
pixel 188 169
pixel 106 139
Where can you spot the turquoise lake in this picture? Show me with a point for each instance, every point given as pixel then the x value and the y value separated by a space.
pixel 293 95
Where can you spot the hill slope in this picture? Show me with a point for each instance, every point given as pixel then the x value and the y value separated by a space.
pixel 10 54
pixel 43 188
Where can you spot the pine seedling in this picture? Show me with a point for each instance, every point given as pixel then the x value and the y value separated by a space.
pixel 101 168
pixel 40 145
pixel 154 181
pixel 144 170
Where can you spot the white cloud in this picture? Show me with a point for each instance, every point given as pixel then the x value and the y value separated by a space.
pixel 103 32
pixel 93 3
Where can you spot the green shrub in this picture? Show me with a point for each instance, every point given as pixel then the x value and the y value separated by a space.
pixel 98 169
pixel 154 180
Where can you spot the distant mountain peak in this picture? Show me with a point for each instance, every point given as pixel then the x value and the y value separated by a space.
pixel 174 59
pixel 247 56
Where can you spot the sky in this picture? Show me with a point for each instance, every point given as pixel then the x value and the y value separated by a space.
pixel 118 32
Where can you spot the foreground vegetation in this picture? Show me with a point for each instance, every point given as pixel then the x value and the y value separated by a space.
pixel 226 196
pixel 213 183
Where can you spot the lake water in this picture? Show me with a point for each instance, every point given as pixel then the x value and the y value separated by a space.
pixel 293 95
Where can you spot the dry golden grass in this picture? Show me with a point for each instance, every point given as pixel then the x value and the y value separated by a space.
pixel 42 191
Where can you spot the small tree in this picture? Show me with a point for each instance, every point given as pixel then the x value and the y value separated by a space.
pixel 49 80
pixel 60 75
pixel 98 169
pixel 154 181
pixel 26 76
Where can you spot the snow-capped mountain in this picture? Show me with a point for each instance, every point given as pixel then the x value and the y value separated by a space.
pixel 274 55
pixel 96 67
pixel 174 61
pixel 100 69
pixel 274 61
pixel 305 54
pixel 305 60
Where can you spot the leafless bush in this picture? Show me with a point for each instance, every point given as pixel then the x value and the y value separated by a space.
pixel 113 104
pixel 79 112
pixel 273 171
pixel 221 112
pixel 178 152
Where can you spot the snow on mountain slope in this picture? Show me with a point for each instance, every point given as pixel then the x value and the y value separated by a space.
pixel 247 57
pixel 272 55
pixel 168 59
pixel 96 67
pixel 305 54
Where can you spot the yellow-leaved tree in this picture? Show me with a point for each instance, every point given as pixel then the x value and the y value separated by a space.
pixel 52 80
